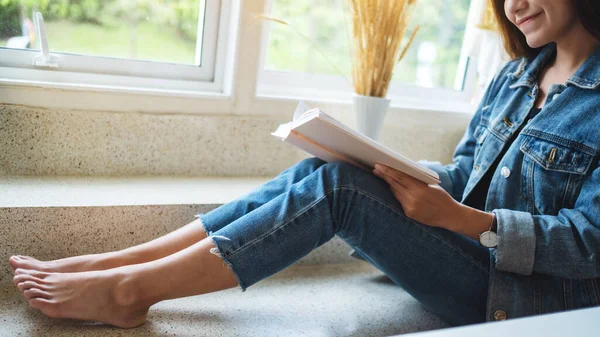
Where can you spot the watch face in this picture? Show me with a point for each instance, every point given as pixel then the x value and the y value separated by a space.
pixel 488 239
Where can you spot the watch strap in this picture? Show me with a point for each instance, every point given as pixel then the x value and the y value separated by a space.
pixel 494 224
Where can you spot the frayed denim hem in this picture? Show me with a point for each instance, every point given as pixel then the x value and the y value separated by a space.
pixel 217 250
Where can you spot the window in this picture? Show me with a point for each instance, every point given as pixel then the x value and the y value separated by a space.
pixel 168 44
pixel 216 56
pixel 436 63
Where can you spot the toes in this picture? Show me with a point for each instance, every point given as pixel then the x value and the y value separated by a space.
pixel 26 277
pixel 29 285
pixel 17 261
pixel 25 262
pixel 36 293
pixel 48 307
pixel 35 273
pixel 13 261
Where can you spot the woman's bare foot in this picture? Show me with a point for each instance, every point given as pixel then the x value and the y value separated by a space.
pixel 149 251
pixel 69 265
pixel 122 296
pixel 104 296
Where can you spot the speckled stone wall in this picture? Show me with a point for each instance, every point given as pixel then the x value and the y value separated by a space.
pixel 47 142
pixel 50 233
pixel 43 142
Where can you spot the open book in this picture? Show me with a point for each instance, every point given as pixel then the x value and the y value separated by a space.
pixel 326 138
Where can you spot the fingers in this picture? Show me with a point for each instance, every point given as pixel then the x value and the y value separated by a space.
pixel 389 179
pixel 399 193
pixel 397 188
pixel 390 176
pixel 401 177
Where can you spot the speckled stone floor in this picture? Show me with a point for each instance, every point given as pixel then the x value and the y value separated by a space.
pixel 352 299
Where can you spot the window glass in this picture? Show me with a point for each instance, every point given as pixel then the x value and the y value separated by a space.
pixel 151 30
pixel 432 60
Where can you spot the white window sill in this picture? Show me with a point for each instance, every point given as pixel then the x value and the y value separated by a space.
pixel 267 103
pixel 397 102
pixel 28 191
pixel 109 89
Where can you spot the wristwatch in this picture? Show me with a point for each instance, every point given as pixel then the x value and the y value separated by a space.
pixel 489 238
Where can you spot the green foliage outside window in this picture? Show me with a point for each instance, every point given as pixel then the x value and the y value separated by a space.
pixel 180 15
pixel 10 21
pixel 442 23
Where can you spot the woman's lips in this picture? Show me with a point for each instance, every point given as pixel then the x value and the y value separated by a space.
pixel 526 19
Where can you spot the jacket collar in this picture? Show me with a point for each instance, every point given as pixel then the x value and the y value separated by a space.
pixel 586 77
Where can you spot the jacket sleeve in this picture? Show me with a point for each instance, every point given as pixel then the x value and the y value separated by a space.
pixel 454 176
pixel 565 245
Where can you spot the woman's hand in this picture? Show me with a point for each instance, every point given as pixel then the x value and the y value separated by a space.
pixel 433 206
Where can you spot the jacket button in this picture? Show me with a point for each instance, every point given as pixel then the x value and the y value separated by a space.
pixel 499 315
pixel 505 172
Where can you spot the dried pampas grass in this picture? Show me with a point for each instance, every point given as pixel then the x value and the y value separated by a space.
pixel 378 28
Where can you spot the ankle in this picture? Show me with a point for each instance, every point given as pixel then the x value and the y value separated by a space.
pixel 129 289
pixel 126 293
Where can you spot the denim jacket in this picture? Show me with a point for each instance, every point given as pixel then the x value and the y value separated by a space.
pixel 545 191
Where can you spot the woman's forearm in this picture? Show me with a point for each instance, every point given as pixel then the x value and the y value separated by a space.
pixel 470 221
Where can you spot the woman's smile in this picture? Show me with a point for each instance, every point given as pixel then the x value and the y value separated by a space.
pixel 527 23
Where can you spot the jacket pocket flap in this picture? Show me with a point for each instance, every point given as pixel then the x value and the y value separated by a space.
pixel 480 133
pixel 556 157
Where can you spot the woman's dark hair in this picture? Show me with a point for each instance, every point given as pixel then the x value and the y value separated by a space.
pixel 515 43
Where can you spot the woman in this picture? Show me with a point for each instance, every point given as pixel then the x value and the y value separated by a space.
pixel 526 169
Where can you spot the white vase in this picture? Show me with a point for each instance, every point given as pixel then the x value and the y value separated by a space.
pixel 370 112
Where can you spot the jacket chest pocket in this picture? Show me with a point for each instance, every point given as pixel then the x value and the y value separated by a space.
pixel 479 134
pixel 553 173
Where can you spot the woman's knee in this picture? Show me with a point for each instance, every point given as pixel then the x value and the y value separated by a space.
pixel 310 165
pixel 340 168
pixel 345 174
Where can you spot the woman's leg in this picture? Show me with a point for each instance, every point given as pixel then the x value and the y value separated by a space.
pixel 445 271
pixel 180 238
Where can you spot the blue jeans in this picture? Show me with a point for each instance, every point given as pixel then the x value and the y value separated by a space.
pixel 306 205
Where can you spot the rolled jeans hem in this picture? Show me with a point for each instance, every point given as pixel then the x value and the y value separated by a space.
pixel 222 254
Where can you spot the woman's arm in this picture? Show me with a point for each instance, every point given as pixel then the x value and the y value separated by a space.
pixel 431 205
pixel 565 245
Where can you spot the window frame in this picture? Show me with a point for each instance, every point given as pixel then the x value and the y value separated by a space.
pixel 101 71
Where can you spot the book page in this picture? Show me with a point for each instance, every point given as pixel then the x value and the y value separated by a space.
pixel 301 108
pixel 324 137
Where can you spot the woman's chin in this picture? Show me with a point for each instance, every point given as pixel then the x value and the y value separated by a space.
pixel 535 42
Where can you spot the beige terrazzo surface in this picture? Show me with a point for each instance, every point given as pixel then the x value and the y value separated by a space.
pixel 48 142
pixel 55 232
pixel 329 300
pixel 60 191
pixel 61 142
